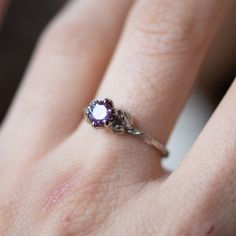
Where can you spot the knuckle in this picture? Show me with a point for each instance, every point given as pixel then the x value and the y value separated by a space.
pixel 198 218
pixel 76 203
pixel 82 202
pixel 80 212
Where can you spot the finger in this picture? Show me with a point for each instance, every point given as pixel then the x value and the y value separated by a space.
pixel 206 180
pixel 153 72
pixel 63 76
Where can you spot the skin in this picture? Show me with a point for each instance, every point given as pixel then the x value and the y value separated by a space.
pixel 58 176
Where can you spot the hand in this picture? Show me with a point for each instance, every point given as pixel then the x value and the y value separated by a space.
pixel 59 176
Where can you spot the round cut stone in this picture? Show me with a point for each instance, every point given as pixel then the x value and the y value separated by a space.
pixel 99 112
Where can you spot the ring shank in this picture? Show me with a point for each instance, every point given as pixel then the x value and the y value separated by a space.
pixel 149 140
pixel 119 122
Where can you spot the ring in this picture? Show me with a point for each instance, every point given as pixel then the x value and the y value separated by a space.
pixel 102 113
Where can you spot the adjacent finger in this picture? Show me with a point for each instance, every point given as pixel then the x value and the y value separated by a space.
pixel 63 76
pixel 203 188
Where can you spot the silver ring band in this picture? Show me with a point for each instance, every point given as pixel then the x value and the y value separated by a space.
pixel 150 141
pixel 103 114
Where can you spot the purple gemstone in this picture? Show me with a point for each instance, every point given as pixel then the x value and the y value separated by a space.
pixel 99 113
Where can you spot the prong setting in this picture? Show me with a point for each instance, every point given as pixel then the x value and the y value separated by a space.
pixel 99 112
pixel 102 113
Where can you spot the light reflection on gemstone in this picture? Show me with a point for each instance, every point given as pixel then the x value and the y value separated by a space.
pixel 99 112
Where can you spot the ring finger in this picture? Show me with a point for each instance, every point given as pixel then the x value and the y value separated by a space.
pixel 153 71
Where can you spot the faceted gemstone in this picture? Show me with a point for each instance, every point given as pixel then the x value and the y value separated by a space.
pixel 100 113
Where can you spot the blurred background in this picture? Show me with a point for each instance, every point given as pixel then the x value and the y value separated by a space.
pixel 25 19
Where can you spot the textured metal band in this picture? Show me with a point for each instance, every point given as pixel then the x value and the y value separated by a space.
pixel 102 113
pixel 123 124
